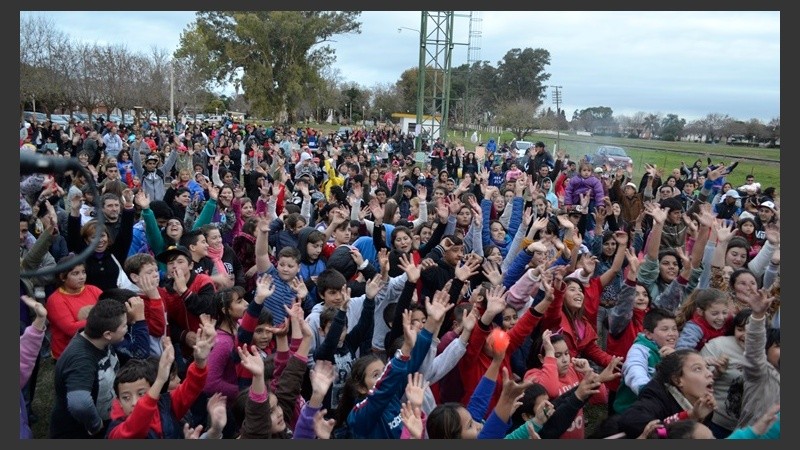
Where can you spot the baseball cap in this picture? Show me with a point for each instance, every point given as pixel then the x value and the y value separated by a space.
pixel 152 157
pixel 768 204
pixel 172 251
pixel 633 185
pixel 317 196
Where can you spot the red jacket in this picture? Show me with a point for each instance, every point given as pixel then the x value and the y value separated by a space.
pixel 146 417
pixel 579 346
pixel 555 385
pixel 475 362
pixel 183 311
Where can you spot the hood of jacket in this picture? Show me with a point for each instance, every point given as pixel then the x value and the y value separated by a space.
pixel 302 240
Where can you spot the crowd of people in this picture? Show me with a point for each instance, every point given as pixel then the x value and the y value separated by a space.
pixel 277 282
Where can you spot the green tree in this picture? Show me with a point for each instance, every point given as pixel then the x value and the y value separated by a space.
pixel 521 75
pixel 672 127
pixel 597 119
pixel 273 54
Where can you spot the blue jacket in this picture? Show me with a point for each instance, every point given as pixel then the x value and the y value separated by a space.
pixel 513 224
pixel 378 415
pixel 517 268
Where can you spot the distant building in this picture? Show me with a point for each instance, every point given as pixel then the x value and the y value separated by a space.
pixel 408 123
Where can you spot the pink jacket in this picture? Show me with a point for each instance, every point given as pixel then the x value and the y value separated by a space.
pixel 29 345
pixel 522 290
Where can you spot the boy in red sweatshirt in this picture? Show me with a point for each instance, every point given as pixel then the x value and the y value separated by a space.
pixel 140 409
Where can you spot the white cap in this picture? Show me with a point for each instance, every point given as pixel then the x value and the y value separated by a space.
pixel 768 204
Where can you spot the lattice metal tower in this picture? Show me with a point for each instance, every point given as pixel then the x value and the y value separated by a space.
pixel 433 85
pixel 473 56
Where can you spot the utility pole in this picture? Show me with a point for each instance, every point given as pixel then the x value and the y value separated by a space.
pixel 172 92
pixel 557 100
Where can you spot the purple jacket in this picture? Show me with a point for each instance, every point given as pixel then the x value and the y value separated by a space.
pixel 577 186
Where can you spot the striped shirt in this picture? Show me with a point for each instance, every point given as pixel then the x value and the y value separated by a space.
pixel 283 295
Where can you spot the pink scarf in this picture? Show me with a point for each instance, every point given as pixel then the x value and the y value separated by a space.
pixel 216 256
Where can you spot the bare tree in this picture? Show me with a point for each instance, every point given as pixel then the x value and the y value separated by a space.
pixel 88 77
pixel 42 53
pixel 518 115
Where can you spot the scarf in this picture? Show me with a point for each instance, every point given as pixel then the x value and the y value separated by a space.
pixel 684 403
pixel 216 256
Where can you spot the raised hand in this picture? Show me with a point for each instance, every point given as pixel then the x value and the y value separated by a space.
pixel 495 300
pixel 251 360
pixel 468 269
pixel 442 210
pixel 492 273
pixel 547 344
pixel 685 260
pixel 690 225
pixel 773 233
pixel 134 308
pixel 409 333
pixel 142 200
pixel 374 286
pixel 166 360
pixel 323 428
pixel 510 396
pixel 724 232
pixel 763 424
pixel 383 258
pixel 412 419
pixel 264 288
pixel 759 301
pixel 357 257
pixel 299 287
pixel 217 413
pixel 439 306
pixel 38 308
pixel 322 376
pixel 564 222
pixel 527 216
pixel 415 389
pixel 469 319
pixel 658 213
pixel 633 264
pixel 213 192
pixel 455 204
pixel 422 193
pixel 295 312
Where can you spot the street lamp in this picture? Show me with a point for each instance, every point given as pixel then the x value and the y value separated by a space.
pixel 363 119
pixel 381 116
pixel 400 29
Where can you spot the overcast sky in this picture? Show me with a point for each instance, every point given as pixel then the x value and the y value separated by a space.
pixel 686 63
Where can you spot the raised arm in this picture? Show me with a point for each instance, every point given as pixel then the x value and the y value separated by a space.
pixel 263 263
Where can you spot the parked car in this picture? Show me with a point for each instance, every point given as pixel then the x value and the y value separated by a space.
pixel 523 146
pixel 60 119
pixel 344 132
pixel 611 155
pixel 41 118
